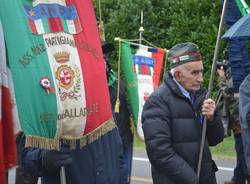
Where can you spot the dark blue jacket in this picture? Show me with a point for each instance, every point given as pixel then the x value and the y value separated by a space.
pixel 172 128
pixel 244 109
pixel 96 163
pixel 238 54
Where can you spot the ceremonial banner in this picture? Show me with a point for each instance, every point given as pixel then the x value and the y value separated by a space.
pixel 46 18
pixel 142 69
pixel 7 139
pixel 57 66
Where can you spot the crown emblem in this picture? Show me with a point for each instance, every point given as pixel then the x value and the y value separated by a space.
pixel 61 57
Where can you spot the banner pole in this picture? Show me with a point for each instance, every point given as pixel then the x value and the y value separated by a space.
pixel 141 29
pixel 62 175
pixel 211 80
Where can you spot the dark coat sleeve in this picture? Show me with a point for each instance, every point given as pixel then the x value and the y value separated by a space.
pixel 215 130
pixel 244 104
pixel 244 109
pixel 157 131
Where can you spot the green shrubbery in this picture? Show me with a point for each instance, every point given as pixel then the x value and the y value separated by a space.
pixel 166 22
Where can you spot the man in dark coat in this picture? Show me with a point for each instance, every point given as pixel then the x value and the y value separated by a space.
pixel 122 118
pixel 229 105
pixel 172 121
pixel 98 162
pixel 95 163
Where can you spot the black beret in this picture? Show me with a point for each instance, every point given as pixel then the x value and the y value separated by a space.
pixel 183 53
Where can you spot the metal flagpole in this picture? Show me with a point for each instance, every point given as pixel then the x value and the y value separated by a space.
pixel 141 29
pixel 62 175
pixel 131 43
pixel 210 86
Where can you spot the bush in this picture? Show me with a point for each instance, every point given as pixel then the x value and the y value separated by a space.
pixel 166 23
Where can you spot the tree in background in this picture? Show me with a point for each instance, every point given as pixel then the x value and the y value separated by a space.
pixel 165 22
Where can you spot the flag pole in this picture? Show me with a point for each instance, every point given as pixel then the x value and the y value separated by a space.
pixel 210 86
pixel 62 175
pixel 141 29
pixel 133 43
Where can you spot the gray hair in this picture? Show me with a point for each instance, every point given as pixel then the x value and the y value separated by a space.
pixel 177 68
pixel 172 71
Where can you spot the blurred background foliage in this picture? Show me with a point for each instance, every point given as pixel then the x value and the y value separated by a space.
pixel 166 23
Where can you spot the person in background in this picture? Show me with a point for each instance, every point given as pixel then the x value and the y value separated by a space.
pixel 122 118
pixel 244 109
pixel 238 56
pixel 98 162
pixel 229 104
pixel 172 120
pixel 237 50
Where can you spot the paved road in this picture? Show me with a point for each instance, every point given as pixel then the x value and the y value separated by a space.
pixel 141 169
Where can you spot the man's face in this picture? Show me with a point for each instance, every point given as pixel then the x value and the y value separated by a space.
pixel 190 75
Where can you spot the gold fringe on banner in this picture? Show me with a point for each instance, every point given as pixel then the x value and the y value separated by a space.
pixel 42 142
pixel 55 144
pixel 100 131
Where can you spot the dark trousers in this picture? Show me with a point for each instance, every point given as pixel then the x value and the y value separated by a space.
pixel 127 159
pixel 240 171
pixel 23 177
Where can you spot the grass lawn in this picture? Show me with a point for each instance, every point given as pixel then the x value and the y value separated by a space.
pixel 224 150
pixel 138 143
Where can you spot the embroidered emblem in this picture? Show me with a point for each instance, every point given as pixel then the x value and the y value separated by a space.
pixel 69 82
pixel 65 75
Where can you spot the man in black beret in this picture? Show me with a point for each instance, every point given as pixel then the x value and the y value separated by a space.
pixel 172 120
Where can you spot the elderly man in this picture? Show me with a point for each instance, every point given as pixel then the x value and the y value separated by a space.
pixel 172 122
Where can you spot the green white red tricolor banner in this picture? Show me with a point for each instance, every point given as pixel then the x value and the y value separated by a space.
pixel 56 61
pixel 141 66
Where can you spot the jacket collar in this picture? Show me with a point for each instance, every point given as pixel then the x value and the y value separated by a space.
pixel 169 81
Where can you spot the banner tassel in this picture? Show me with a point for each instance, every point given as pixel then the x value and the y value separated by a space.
pixel 117 104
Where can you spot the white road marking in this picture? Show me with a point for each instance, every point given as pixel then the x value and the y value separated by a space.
pixel 146 160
